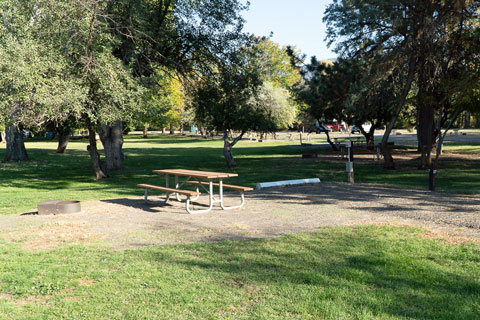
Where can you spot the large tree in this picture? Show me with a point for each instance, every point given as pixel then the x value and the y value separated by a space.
pixel 35 83
pixel 325 90
pixel 225 101
pixel 405 37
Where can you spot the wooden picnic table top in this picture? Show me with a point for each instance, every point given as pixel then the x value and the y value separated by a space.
pixel 197 173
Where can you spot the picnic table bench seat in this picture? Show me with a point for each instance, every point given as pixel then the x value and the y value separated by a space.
pixel 171 190
pixel 228 186
pixel 202 177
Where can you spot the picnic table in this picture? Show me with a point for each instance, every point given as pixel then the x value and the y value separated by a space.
pixel 202 180
pixel 340 140
pixel 357 142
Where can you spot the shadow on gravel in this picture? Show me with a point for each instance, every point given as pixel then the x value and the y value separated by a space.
pixel 457 209
pixel 137 204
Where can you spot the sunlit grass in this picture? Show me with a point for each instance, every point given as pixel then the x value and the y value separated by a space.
pixel 339 273
pixel 51 176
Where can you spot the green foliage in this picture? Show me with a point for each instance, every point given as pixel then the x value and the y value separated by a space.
pixel 223 100
pixel 163 102
pixel 277 105
pixel 325 89
pixel 371 98
pixel 64 64
pixel 274 63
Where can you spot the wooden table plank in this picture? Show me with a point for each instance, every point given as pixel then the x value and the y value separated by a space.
pixel 196 173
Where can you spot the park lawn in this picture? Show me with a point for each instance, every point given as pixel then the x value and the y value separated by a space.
pixel 338 273
pixel 51 176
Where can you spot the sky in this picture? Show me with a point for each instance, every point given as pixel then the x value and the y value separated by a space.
pixel 297 23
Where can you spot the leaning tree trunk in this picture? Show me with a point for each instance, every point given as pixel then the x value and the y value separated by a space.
pixel 112 140
pixel 64 133
pixel 387 153
pixel 333 145
pixel 227 148
pixel 227 153
pixel 369 136
pixel 97 165
pixel 15 150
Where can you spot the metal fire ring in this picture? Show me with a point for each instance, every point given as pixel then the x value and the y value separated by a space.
pixel 58 207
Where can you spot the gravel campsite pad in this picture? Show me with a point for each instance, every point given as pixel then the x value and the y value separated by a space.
pixel 130 223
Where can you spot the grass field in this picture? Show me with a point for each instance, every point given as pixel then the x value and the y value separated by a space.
pixel 338 273
pixel 51 176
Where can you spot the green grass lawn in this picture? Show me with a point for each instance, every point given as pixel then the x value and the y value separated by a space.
pixel 338 273
pixel 51 176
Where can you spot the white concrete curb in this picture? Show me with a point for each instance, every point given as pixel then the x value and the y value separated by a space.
pixel 263 185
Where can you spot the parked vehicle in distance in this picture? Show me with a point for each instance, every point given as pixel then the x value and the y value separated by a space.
pixel 356 129
pixel 336 126
pixel 318 128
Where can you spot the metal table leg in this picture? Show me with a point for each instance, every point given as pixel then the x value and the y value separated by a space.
pixel 242 196
pixel 210 198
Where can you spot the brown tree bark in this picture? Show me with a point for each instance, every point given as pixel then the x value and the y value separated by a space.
pixel 15 149
pixel 145 131
pixel 334 147
pixel 227 148
pixel 369 136
pixel 387 154
pixel 426 119
pixel 97 165
pixel 63 138
pixel 112 140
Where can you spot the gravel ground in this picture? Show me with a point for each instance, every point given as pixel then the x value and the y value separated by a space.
pixel 129 223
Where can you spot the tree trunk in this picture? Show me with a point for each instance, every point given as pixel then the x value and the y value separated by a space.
pixel 369 136
pixel 181 128
pixel 63 138
pixel 426 121
pixel 62 143
pixel 2 137
pixel 227 148
pixel 112 140
pixel 163 130
pixel 468 119
pixel 15 150
pixel 227 153
pixel 97 165
pixel 172 130
pixel 334 147
pixel 145 131
pixel 387 154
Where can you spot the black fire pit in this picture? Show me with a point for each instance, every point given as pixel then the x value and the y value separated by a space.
pixel 58 207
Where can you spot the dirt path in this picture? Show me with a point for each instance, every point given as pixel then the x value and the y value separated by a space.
pixel 130 223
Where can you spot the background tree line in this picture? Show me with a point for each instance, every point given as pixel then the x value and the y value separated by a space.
pixel 104 65
pixel 410 57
